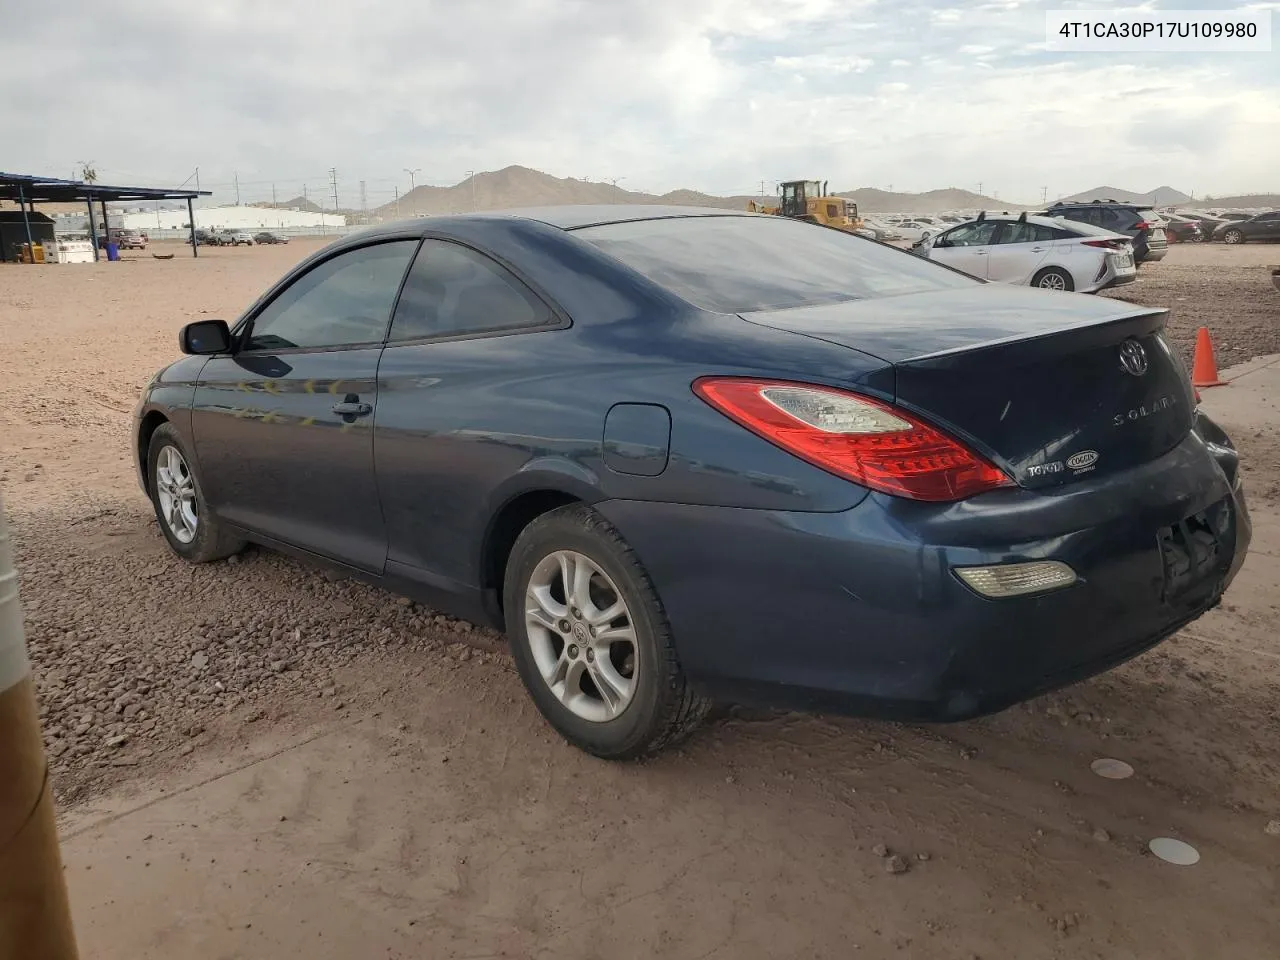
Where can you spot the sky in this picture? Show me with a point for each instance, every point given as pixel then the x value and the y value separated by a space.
pixel 712 95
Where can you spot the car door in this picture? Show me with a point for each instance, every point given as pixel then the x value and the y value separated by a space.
pixel 1017 250
pixel 1265 226
pixel 283 427
pixel 966 247
pixel 468 341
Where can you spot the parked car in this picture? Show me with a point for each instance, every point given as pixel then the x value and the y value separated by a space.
pixel 1180 229
pixel 916 230
pixel 268 237
pixel 1265 226
pixel 885 232
pixel 129 239
pixel 1207 221
pixel 679 453
pixel 238 238
pixel 1053 254
pixel 1141 224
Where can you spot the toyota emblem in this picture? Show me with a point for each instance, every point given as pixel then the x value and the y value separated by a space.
pixel 1133 358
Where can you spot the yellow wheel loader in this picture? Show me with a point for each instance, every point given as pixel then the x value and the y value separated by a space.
pixel 808 200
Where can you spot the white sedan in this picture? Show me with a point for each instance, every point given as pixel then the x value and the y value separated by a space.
pixel 1047 252
pixel 916 230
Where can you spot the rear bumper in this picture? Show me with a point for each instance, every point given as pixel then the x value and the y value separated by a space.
pixel 1120 279
pixel 860 612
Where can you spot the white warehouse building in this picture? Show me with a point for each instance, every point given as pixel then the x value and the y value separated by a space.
pixel 230 218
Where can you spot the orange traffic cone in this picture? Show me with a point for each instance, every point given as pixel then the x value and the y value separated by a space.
pixel 1204 369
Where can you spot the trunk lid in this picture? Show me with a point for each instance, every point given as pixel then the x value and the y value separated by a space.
pixel 1052 387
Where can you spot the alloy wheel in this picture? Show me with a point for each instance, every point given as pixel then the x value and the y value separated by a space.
pixel 176 491
pixel 1052 281
pixel 582 636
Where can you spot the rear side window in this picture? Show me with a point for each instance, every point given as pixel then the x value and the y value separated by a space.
pixel 732 264
pixel 1118 219
pixel 1022 232
pixel 452 290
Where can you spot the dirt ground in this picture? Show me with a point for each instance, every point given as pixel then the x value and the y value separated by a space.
pixel 328 771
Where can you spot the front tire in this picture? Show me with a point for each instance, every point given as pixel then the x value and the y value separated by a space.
pixel 591 640
pixel 1053 278
pixel 192 530
pixel 1233 236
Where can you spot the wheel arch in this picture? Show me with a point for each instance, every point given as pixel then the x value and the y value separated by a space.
pixel 147 426
pixel 504 529
pixel 542 485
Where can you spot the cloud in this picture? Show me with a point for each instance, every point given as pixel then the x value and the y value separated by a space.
pixel 710 94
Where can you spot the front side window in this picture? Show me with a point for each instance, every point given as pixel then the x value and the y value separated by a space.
pixel 346 300
pixel 453 290
pixel 972 234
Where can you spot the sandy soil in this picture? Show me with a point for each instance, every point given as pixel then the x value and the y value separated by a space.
pixel 430 794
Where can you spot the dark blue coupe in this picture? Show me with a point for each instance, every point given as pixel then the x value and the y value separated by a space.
pixel 679 454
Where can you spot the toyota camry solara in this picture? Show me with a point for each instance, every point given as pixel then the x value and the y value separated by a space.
pixel 683 454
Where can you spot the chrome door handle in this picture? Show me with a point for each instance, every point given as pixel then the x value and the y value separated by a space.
pixel 352 409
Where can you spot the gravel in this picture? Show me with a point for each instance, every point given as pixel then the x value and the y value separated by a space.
pixel 138 655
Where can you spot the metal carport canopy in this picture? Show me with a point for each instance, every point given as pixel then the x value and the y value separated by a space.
pixel 29 189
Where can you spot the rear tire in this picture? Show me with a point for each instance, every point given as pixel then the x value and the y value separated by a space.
pixel 612 702
pixel 1233 236
pixel 186 521
pixel 1053 278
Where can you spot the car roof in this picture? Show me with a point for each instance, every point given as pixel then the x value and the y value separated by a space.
pixel 1044 221
pixel 574 216
pixel 1100 203
pixel 565 217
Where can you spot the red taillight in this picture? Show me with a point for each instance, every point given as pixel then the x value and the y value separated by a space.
pixel 1142 225
pixel 1104 244
pixel 867 441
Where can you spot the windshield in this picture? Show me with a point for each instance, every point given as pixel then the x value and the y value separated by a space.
pixel 744 264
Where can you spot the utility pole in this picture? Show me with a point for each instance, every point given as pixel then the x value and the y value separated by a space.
pixel 333 180
pixel 412 173
pixel 273 194
pixel 471 175
pixel 364 205
pixel 35 918
pixel 761 189
pixel 979 188
pixel 1044 195
pixel 197 178
pixel 397 203
pixel 235 179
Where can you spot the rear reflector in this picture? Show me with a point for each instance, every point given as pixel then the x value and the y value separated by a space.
pixel 1017 579
pixel 870 442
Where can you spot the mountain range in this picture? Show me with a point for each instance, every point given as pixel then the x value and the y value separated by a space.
pixel 517 186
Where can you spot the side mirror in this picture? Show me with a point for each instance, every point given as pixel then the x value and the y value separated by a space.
pixel 205 337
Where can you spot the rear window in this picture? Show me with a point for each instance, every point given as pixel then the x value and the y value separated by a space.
pixel 744 264
pixel 1078 228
